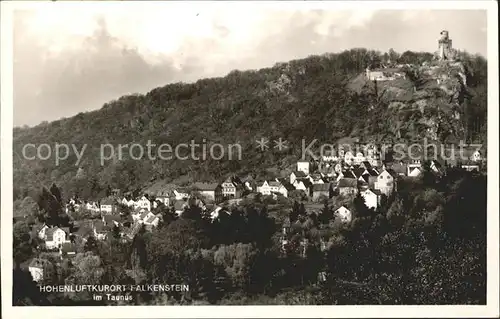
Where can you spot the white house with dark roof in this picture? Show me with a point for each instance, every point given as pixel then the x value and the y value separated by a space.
pixel 55 237
pixel 41 231
pixel 230 189
pixel 297 175
pixel 37 268
pixel 107 205
pixel 386 181
pixel 276 187
pixel 143 203
pixel 344 214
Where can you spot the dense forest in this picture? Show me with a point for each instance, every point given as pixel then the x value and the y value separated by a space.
pixel 307 99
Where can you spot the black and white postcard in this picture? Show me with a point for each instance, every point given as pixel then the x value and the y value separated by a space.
pixel 203 159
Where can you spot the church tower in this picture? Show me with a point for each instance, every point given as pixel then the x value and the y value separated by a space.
pixel 444 46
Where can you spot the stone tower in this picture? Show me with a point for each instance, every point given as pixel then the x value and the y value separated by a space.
pixel 444 46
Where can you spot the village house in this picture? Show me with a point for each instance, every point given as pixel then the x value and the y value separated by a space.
pixel 386 181
pixel 348 173
pixel 165 200
pixel 36 268
pixel 344 214
pixel 107 205
pixel 304 185
pixel 276 187
pixel 414 168
pixel 41 231
pixel 211 191
pixel 476 156
pixel 151 220
pixel 303 166
pixel 92 206
pixel 143 203
pixel 54 237
pixel 297 175
pixel 180 193
pixel 316 179
pixel 436 167
pixel 347 186
pixel 320 191
pixel 231 189
pixel 372 200
pixel 359 158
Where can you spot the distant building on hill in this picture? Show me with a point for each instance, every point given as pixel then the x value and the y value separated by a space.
pixel 445 50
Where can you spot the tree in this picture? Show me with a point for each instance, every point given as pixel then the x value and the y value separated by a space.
pixel 54 190
pixel 91 245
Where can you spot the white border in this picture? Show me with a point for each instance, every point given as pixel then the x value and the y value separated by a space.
pixel 492 308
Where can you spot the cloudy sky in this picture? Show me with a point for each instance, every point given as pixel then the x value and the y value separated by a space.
pixel 69 60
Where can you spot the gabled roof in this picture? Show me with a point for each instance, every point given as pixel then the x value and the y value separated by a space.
pixel 391 172
pixel 348 174
pixel 299 174
pixel 274 184
pixel 306 181
pixel 358 171
pixel 342 207
pixel 288 186
pixel 367 164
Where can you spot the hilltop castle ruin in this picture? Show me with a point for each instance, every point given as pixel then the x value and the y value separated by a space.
pixel 445 50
